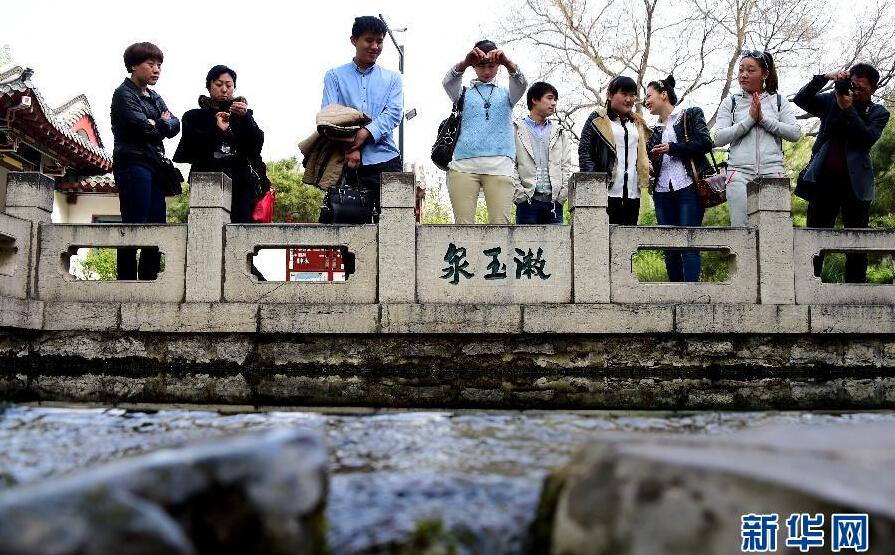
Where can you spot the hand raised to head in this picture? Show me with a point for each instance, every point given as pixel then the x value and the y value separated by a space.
pixel 473 57
pixel 498 57
pixel 837 75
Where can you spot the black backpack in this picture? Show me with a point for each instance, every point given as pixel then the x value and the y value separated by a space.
pixel 448 133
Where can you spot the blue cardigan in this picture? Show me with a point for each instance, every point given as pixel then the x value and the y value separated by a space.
pixel 486 137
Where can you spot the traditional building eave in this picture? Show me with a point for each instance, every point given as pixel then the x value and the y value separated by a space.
pixel 95 184
pixel 25 115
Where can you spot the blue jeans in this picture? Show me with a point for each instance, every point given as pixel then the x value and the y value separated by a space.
pixel 142 202
pixel 539 212
pixel 681 207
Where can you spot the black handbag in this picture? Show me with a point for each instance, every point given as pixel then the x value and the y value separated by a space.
pixel 352 204
pixel 168 177
pixel 448 133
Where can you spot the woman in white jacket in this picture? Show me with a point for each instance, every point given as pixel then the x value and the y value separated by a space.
pixel 754 123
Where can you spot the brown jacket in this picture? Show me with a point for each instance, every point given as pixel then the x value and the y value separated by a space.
pixel 324 149
pixel 596 149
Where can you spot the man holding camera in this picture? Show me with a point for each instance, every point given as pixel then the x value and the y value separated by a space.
pixel 839 177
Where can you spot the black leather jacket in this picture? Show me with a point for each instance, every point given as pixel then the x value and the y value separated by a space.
pixel 699 145
pixel 594 153
pixel 136 139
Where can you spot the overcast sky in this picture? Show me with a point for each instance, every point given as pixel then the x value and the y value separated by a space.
pixel 279 50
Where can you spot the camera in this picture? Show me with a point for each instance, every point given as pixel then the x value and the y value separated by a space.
pixel 844 86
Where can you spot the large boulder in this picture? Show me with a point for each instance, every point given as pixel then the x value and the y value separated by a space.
pixel 250 495
pixel 680 495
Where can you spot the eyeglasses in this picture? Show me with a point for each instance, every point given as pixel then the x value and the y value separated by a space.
pixel 757 54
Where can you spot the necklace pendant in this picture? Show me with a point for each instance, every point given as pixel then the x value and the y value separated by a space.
pixel 487 115
pixel 487 105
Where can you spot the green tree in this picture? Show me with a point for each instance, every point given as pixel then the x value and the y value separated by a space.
pixel 180 208
pixel 100 264
pixel 296 201
pixel 883 156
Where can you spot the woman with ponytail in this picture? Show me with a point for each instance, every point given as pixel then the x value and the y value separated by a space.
pixel 614 141
pixel 754 122
pixel 678 146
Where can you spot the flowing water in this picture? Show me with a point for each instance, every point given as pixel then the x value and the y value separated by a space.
pixel 394 474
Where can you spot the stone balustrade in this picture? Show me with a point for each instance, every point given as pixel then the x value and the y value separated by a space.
pixel 411 278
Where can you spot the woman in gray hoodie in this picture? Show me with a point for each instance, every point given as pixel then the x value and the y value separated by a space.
pixel 754 122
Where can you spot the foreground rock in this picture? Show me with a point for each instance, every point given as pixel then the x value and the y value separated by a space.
pixel 255 494
pixel 626 495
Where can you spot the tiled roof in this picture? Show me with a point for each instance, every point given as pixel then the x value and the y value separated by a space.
pixel 15 83
pixel 70 112
pixel 92 184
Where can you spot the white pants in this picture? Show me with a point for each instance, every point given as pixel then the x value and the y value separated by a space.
pixel 736 194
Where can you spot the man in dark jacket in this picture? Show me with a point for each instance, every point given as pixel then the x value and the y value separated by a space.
pixel 839 177
pixel 140 122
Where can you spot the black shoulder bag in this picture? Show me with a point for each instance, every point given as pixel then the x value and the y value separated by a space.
pixel 167 176
pixel 448 133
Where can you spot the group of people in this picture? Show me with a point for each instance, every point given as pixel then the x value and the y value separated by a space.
pixel 524 162
pixel 220 135
pixel 669 158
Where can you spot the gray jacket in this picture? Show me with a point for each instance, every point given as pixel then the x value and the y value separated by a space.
pixel 736 127
pixel 560 162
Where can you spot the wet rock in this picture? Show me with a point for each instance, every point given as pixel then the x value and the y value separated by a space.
pixel 626 494
pixel 254 494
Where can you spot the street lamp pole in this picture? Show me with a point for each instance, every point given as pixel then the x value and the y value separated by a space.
pixel 400 48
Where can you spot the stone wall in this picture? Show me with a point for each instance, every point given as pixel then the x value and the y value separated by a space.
pixel 490 316
pixel 617 371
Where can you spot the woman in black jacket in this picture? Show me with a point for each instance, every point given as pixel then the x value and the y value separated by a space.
pixel 614 141
pixel 222 136
pixel 675 150
pixel 140 121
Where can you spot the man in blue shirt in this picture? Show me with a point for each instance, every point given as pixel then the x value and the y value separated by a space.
pixel 365 86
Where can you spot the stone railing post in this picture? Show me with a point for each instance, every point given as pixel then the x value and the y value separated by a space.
pixel 29 196
pixel 769 210
pixel 590 238
pixel 210 197
pixel 397 239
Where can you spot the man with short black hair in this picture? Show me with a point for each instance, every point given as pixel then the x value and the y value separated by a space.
pixel 839 177
pixel 365 86
pixel 543 160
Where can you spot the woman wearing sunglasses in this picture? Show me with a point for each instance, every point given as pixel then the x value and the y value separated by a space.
pixel 754 122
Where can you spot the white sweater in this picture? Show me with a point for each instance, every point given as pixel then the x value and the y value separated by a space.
pixel 738 129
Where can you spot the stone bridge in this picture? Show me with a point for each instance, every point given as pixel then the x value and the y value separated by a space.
pixel 442 315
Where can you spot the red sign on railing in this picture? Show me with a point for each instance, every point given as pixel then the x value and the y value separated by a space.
pixel 315 264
